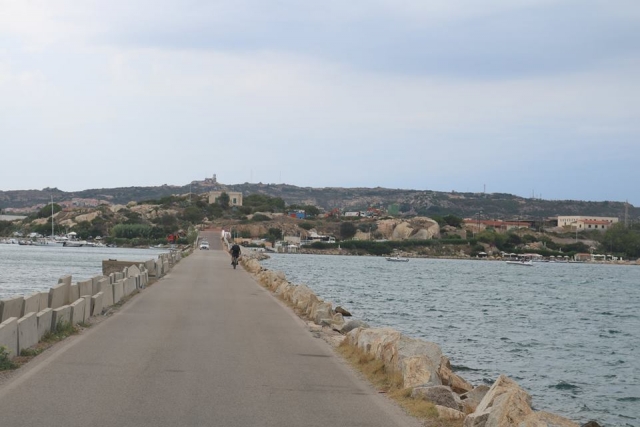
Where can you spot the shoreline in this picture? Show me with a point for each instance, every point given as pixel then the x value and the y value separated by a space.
pixel 409 255
pixel 429 379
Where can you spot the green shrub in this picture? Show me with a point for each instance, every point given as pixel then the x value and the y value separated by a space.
pixel 5 361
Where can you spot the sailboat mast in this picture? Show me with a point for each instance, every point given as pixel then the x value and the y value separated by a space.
pixel 51 217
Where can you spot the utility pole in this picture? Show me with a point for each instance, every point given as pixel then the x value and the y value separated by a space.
pixel 626 214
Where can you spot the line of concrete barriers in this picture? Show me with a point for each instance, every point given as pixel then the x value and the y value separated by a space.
pixel 24 321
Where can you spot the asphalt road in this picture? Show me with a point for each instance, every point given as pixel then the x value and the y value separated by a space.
pixel 204 346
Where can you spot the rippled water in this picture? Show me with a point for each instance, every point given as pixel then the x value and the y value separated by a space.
pixel 569 334
pixel 28 269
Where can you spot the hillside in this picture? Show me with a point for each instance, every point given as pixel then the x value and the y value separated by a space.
pixel 494 205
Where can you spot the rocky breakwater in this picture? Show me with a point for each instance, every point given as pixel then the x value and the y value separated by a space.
pixel 420 364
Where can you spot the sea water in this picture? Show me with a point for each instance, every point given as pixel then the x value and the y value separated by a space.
pixel 569 334
pixel 28 269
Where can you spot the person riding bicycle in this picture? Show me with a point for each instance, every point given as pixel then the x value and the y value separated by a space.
pixel 235 252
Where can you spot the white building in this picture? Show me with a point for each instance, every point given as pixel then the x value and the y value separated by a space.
pixel 235 198
pixel 581 222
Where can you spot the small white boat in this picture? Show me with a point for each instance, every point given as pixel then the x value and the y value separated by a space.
pixel 522 262
pixel 397 259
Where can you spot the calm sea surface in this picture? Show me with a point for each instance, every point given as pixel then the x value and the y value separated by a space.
pixel 569 334
pixel 28 269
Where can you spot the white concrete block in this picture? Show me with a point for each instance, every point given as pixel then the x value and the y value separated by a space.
pixel 77 311
pixel 85 287
pixel 9 335
pixel 30 304
pixel 133 271
pixel 58 295
pixel 60 315
pixel 118 291
pixel 44 322
pixel 27 331
pixel 44 301
pixel 87 307
pixel 94 283
pixel 65 279
pixel 74 293
pixel 96 304
pixel 11 307
pixel 107 297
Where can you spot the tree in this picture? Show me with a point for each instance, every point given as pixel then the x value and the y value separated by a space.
pixel 224 200
pixel 46 211
pixel 347 230
pixel 193 214
pixel 453 220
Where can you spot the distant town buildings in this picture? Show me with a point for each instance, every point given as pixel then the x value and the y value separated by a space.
pixel 578 222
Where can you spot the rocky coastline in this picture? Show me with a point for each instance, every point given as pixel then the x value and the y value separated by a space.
pixel 420 364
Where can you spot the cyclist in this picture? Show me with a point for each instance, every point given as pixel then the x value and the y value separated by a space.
pixel 235 254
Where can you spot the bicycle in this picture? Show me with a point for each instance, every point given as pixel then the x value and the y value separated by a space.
pixel 234 261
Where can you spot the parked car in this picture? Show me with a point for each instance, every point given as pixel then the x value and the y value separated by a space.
pixel 204 245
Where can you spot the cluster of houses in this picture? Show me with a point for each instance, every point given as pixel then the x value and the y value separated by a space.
pixel 572 223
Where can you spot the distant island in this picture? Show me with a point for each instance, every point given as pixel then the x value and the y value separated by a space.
pixel 396 201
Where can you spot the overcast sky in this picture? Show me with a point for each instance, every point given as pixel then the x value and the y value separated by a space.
pixel 524 96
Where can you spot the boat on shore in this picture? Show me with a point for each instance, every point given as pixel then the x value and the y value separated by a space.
pixel 397 259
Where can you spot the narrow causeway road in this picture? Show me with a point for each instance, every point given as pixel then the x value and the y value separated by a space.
pixel 204 346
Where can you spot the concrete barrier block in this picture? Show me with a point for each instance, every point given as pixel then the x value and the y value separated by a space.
pixel 166 267
pixel 94 284
pixel 58 295
pixel 150 265
pixel 67 281
pixel 77 311
pixel 87 307
pixel 133 271
pixel 74 293
pixel 30 304
pixel 11 307
pixel 96 304
pixel 85 287
pixel 107 295
pixel 44 322
pixel 118 276
pixel 27 331
pixel 118 291
pixel 60 315
pixel 130 285
pixel 44 301
pixel 9 335
pixel 102 283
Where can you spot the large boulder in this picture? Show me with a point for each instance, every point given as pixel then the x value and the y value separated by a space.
pixel 449 378
pixel 252 265
pixel 471 399
pixel 545 419
pixel 416 360
pixel 321 312
pixel 353 324
pixel 373 340
pixel 504 405
pixel 445 413
pixel 337 321
pixel 438 395
pixel 301 296
pixel 402 231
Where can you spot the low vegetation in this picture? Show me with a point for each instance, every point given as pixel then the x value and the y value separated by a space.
pixel 6 363
pixel 391 384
